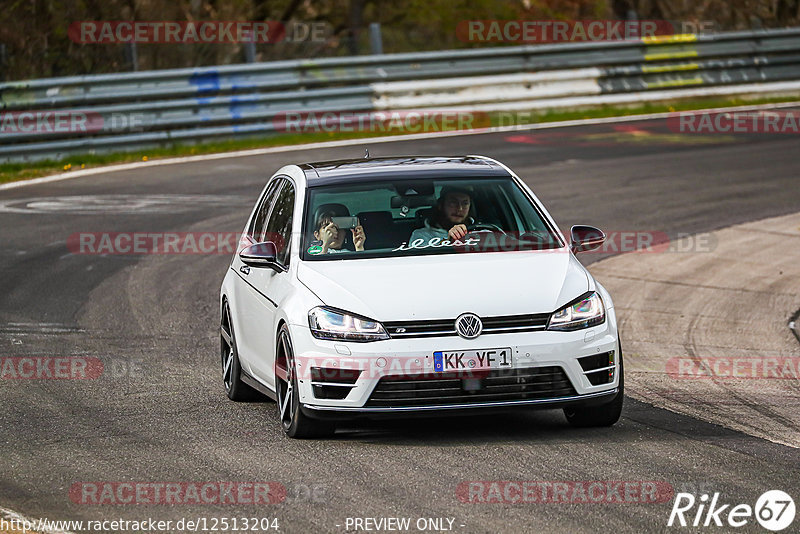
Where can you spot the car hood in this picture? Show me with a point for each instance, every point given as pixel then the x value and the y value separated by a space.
pixel 445 286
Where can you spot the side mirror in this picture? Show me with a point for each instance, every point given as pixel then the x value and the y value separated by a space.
pixel 261 255
pixel 586 238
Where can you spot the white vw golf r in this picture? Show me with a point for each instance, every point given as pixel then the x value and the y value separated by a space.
pixel 414 286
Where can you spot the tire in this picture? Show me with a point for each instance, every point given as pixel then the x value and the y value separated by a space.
pixel 294 422
pixel 231 367
pixel 603 415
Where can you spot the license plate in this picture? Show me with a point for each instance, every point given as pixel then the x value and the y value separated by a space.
pixel 471 360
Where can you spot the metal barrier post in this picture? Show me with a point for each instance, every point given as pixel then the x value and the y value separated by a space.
pixel 375 40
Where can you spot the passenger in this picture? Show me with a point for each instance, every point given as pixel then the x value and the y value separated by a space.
pixel 450 216
pixel 330 239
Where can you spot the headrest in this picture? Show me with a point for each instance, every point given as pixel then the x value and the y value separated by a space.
pixel 338 210
pixel 375 219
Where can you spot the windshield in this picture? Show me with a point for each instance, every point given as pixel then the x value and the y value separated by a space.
pixel 416 217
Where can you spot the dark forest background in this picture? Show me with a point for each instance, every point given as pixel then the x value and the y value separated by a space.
pixel 34 41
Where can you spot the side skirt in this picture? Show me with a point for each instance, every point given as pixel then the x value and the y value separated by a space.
pixel 258 386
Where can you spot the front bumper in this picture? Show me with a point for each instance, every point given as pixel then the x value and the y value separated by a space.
pixel 533 352
pixel 341 413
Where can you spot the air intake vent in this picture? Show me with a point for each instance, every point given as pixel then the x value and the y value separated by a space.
pixel 333 383
pixel 598 368
pixel 451 388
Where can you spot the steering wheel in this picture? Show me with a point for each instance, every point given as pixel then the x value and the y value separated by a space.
pixel 489 227
pixel 535 235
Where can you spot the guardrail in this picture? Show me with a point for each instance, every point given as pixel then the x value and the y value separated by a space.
pixel 195 105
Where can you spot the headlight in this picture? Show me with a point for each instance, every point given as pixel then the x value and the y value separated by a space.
pixel 583 313
pixel 326 323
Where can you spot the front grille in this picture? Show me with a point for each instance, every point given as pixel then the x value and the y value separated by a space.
pixel 452 388
pixel 446 327
pixel 404 329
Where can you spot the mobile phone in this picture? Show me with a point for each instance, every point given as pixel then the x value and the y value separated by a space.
pixel 345 222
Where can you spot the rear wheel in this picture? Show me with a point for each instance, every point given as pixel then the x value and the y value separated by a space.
pixel 231 367
pixel 294 422
pixel 603 415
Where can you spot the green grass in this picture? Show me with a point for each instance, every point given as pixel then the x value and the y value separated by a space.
pixel 21 171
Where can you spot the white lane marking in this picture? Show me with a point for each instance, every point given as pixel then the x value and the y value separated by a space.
pixel 128 204
pixel 372 141
pixel 34 324
pixel 39 328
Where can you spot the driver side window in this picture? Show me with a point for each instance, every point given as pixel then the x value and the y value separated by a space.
pixel 279 226
pixel 259 222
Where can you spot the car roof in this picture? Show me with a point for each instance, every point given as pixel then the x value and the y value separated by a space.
pixel 404 167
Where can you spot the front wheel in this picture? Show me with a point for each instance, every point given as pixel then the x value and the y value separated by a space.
pixel 603 415
pixel 294 422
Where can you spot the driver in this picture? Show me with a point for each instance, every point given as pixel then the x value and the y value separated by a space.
pixel 450 216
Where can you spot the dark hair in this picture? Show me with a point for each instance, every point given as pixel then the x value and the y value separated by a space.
pixel 454 190
pixel 321 219
pixel 346 242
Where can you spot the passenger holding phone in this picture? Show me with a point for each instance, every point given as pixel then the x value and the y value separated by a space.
pixel 330 235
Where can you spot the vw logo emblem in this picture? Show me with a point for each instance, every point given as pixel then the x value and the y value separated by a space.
pixel 469 325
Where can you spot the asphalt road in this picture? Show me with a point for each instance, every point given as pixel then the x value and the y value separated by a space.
pixel 159 413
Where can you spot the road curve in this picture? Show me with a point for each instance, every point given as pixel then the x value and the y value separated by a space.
pixel 158 413
pixel 706 332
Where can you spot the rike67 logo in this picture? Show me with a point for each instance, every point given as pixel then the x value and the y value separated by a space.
pixel 774 510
